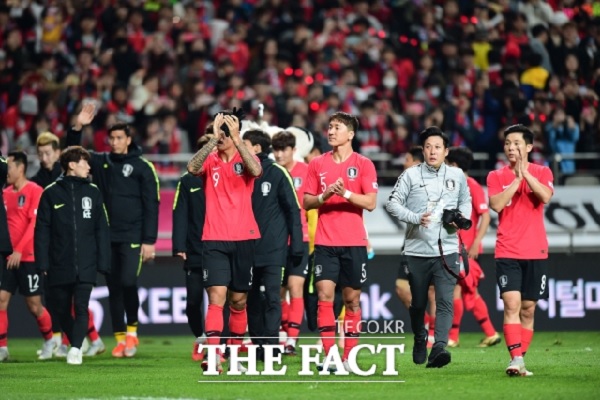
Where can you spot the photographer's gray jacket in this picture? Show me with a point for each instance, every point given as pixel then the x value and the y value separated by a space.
pixel 420 187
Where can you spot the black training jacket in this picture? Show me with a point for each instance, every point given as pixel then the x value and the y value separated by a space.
pixel 72 238
pixel 131 192
pixel 44 176
pixel 189 209
pixel 5 245
pixel 277 212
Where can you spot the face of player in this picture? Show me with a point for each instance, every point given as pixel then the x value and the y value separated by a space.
pixel 119 142
pixel 285 157
pixel 514 144
pixel 225 142
pixel 15 171
pixel 80 169
pixel 338 134
pixel 48 156
pixel 249 146
pixel 434 151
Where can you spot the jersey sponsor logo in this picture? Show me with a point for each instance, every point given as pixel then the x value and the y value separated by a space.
pixel 352 172
pixel 21 201
pixel 238 168
pixel 57 206
pixel 297 182
pixel 265 188
pixel 450 184
pixel 86 205
pixel 192 190
pixel 127 170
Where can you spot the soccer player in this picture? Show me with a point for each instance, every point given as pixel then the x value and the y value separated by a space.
pixel 20 270
pixel 131 192
pixel 340 184
pixel 284 147
pixel 72 244
pixel 518 193
pixel 189 208
pixel 466 295
pixel 420 198
pixel 230 230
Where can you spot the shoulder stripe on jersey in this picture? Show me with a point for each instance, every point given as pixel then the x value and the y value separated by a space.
pixel 49 186
pixel 155 176
pixel 177 194
pixel 290 181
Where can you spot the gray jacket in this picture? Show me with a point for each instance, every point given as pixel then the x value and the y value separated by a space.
pixel 420 189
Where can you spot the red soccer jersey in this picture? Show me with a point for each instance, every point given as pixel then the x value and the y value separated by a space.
pixel 298 174
pixel 228 189
pixel 521 231
pixel 21 211
pixel 479 204
pixel 340 222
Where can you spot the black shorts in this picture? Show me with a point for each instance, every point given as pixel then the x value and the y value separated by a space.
pixel 27 278
pixel 299 270
pixel 346 266
pixel 228 263
pixel 530 277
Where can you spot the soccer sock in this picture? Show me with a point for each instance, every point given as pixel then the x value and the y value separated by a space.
pixel 132 329
pixel 3 328
pixel 481 314
pixel 526 337
pixel 427 320
pixel 92 332
pixel 512 337
pixel 65 340
pixel 351 331
pixel 119 337
pixel 44 323
pixel 214 324
pixel 431 332
pixel 326 324
pixel 457 317
pixel 238 321
pixel 285 313
pixel 296 313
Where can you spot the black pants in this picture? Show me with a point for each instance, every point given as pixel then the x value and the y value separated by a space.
pixel 74 296
pixel 193 305
pixel 126 265
pixel 51 307
pixel 264 309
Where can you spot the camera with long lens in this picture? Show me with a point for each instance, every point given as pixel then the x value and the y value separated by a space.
pixel 450 216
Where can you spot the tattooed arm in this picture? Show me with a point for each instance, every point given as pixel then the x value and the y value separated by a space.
pixel 252 165
pixel 194 166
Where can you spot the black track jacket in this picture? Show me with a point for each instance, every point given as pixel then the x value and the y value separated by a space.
pixel 189 209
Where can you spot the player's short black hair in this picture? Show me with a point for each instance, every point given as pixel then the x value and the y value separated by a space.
pixel 351 121
pixel 522 129
pixel 73 154
pixel 433 131
pixel 256 136
pixel 417 153
pixel 119 127
pixel 461 156
pixel 283 139
pixel 20 158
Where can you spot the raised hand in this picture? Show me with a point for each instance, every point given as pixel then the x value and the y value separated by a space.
pixel 233 124
pixel 86 115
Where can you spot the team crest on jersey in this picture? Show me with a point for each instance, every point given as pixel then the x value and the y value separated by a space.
pixel 21 201
pixel 86 206
pixel 127 170
pixel 352 172
pixel 450 184
pixel 265 188
pixel 297 182
pixel 238 168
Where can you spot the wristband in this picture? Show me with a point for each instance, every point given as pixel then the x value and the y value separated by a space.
pixel 347 194
pixel 321 199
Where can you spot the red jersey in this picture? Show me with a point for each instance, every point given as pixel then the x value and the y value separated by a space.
pixel 298 174
pixel 21 210
pixel 340 222
pixel 228 190
pixel 479 203
pixel 521 231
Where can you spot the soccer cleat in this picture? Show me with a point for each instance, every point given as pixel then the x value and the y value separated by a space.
pixel 97 347
pixel 420 349
pixel 330 369
pixel 57 342
pixel 119 350
pixel 62 351
pixel 452 343
pixel 74 357
pixel 3 353
pixel 438 358
pixel 490 340
pixel 85 345
pixel 47 350
pixel 131 343
pixel 204 365
pixel 290 350
pixel 196 354
pixel 516 367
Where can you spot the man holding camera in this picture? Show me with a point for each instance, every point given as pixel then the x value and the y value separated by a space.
pixel 433 200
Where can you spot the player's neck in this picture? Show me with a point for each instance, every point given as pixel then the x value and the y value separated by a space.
pixel 228 154
pixel 290 166
pixel 19 183
pixel 342 153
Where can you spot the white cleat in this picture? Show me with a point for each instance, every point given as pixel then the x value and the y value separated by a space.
pixel 85 345
pixel 62 351
pixel 3 353
pixel 75 356
pixel 97 347
pixel 516 367
pixel 47 350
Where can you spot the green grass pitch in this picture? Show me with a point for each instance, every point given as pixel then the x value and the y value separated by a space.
pixel 565 366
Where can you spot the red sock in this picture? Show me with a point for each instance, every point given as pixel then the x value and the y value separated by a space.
pixel 427 320
pixel 92 332
pixel 526 337
pixel 481 314
pixel 351 331
pixel 45 324
pixel 431 326
pixel 296 313
pixel 65 339
pixel 326 324
pixel 512 337
pixel 3 328
pixel 238 322
pixel 214 324
pixel 458 314
pixel 285 314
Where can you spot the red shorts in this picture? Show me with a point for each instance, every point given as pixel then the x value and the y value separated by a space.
pixel 470 283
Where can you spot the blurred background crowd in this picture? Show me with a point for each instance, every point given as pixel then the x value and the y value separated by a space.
pixel 165 66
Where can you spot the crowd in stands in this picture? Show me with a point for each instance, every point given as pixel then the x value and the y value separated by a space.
pixel 166 66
